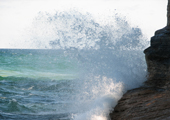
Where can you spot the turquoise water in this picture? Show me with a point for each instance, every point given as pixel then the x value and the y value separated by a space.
pixel 36 64
pixel 65 84
pixel 35 84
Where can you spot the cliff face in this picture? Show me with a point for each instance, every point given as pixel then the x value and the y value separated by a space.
pixel 153 100
pixel 158 59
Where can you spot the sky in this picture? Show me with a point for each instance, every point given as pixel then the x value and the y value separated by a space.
pixel 17 15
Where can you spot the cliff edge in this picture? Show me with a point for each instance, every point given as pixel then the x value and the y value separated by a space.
pixel 152 101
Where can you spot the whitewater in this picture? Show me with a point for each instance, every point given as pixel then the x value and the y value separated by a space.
pixel 70 66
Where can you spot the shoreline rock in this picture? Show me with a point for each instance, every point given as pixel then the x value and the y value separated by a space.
pixel 158 59
pixel 142 104
pixel 152 101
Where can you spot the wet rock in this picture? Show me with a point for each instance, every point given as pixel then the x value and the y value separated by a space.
pixel 145 103
pixel 151 102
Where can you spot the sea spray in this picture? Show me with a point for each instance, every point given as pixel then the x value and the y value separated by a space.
pixel 110 57
pixel 97 98
pixel 66 30
pixel 108 60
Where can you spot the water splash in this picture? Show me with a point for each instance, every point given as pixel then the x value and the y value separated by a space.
pixel 109 57
pixel 65 30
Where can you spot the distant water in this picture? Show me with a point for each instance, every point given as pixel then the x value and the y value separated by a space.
pixel 81 73
pixel 36 84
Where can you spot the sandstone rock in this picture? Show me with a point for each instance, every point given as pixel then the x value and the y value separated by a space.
pixel 151 102
pixel 145 103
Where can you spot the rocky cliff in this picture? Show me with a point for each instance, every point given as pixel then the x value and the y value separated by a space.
pixel 152 101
